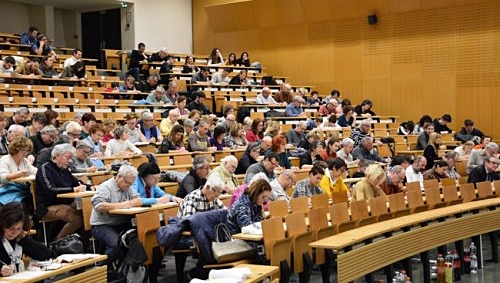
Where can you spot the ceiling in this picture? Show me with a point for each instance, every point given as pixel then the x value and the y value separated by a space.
pixel 77 5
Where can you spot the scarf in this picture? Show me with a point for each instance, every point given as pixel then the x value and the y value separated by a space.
pixel 15 254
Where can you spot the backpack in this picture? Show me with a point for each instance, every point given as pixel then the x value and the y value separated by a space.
pixel 133 255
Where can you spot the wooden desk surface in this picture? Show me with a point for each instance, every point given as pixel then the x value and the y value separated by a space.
pixel 136 210
pixel 77 194
pixel 40 276
pixel 358 235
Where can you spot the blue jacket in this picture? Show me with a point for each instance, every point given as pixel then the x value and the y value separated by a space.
pixel 243 213
pixel 156 192
pixel 202 227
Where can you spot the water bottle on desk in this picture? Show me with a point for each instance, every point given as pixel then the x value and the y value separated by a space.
pixel 473 258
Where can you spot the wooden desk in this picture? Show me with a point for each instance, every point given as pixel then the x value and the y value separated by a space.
pixel 92 275
pixel 419 239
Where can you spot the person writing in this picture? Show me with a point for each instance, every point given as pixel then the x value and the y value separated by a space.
pixel 15 240
pixel 146 184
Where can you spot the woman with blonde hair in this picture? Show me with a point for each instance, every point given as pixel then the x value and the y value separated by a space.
pixel 431 150
pixel 369 186
pixel 273 129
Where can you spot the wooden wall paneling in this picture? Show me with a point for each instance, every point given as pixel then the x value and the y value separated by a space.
pixel 406 99
pixel 316 11
pixel 432 4
pixel 379 91
pixel 438 95
pixel 345 10
pixel 397 6
pixel 368 7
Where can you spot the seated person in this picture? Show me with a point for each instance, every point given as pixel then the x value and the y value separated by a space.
pixel 295 109
pixel 240 79
pixel 394 180
pixel 441 124
pixel 29 68
pixel 53 178
pixel 16 165
pixel 225 172
pixel 328 109
pixel 14 226
pixel 265 97
pixel 469 133
pixel 487 172
pixel 196 177
pixel 314 99
pixel 248 208
pixel 369 186
pixel 347 119
pixel 236 137
pixel 309 185
pixel 281 185
pixel 146 184
pixel 478 156
pixel 345 152
pixel 365 108
pixel 278 147
pixel 174 141
pixel 266 166
pixel 47 67
pixel 42 46
pixel 74 72
pixel 202 199
pixel 197 103
pixel 199 140
pixel 149 131
pixel 7 66
pixel 438 171
pixel 332 146
pixel 365 151
pixel 332 180
pixel 423 138
pixel 414 172
pixel 312 155
pixel 295 136
pixel 362 166
pixel 81 161
pixel 465 149
pixel 157 96
pixel 114 193
pixel 221 78
pixel 121 145
pixel 249 157
pixel 167 123
pixel 218 140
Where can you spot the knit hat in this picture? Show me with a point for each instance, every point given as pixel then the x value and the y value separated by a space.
pixel 148 168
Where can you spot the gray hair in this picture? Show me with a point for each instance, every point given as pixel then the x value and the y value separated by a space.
pixel 16 128
pixel 118 132
pixel 127 170
pixel 215 183
pixel 147 115
pixel 73 126
pixel 61 149
pixel 302 124
pixel 266 89
pixel 172 84
pixel 492 146
pixel 228 159
pixel 22 110
pixel 347 141
pixel 397 169
pixel 258 176
pixel 174 112
pixel 48 129
pixel 451 154
pixel 199 161
pixel 160 88
pixel 365 140
pixel 367 122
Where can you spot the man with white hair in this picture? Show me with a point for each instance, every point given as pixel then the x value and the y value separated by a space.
pixel 203 199
pixel 157 96
pixel 20 117
pixel 295 136
pixel 265 97
pixel 44 139
pixel 280 185
pixel 171 93
pixel 225 172
pixel 166 124
pixel 148 129
pixel 117 192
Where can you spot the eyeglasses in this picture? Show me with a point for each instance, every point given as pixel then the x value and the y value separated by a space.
pixel 74 135
pixel 87 152
pixel 217 192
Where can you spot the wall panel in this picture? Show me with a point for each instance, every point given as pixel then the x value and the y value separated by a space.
pixel 421 57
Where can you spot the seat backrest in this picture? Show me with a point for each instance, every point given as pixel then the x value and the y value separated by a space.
pixel 413 186
pixel 278 208
pixel 397 202
pixel 339 212
pixel 359 209
pixel 295 224
pixel 496 184
pixel 432 196
pixel 414 199
pixel 320 200
pixel 450 193
pixel 378 205
pixel 448 182
pixel 318 218
pixel 338 197
pixel 147 225
pixel 272 230
pixel 431 183
pixel 299 204
pixel 484 189
pixel 183 159
pixel 468 192
pixel 461 167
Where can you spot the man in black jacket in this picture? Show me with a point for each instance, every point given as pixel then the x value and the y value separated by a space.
pixel 487 172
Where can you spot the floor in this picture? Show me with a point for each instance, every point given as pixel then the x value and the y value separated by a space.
pixel 489 274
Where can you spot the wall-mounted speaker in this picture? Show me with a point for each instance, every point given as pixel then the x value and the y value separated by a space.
pixel 372 19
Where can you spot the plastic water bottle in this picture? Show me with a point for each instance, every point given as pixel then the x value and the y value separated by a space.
pixel 457 271
pixel 448 268
pixel 467 260
pixel 473 258
pixel 441 276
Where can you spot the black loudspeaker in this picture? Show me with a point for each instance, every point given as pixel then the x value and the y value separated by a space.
pixel 372 19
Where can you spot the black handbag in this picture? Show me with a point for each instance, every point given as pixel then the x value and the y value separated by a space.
pixel 71 244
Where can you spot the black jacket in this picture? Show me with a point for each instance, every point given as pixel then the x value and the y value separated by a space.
pixel 50 181
pixel 478 174
pixel 31 248
pixel 190 183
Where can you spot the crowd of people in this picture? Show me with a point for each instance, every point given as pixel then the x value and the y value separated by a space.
pixel 52 152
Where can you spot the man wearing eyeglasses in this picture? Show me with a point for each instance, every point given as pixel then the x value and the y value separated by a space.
pixel 203 199
pixel 394 180
pixel 266 166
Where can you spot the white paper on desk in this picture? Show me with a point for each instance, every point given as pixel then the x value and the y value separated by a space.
pixel 141 143
pixel 27 274
pixel 253 229
pixel 236 273
pixel 74 257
